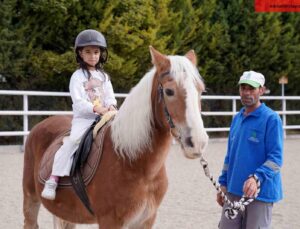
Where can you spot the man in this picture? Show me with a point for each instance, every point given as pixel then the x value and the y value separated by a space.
pixel 254 153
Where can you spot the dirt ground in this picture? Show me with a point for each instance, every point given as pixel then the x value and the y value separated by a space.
pixel 190 200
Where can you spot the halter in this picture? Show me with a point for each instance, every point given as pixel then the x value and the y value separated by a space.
pixel 174 130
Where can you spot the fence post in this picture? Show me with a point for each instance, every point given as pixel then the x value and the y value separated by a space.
pixel 233 106
pixel 25 119
pixel 284 116
pixel 283 80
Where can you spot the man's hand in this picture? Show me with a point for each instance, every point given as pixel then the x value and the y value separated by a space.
pixel 220 199
pixel 250 187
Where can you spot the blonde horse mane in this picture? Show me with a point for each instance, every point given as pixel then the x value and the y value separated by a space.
pixel 132 126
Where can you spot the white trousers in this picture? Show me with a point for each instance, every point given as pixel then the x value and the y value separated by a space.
pixel 64 156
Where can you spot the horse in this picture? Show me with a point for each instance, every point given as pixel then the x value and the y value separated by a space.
pixel 131 180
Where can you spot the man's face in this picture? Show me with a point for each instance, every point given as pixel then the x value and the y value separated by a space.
pixel 250 95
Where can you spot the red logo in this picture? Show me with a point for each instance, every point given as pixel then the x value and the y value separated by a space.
pixel 277 6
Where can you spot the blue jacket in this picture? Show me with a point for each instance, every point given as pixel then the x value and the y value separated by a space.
pixel 255 146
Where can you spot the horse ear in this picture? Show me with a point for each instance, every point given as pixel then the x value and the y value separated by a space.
pixel 158 59
pixel 191 56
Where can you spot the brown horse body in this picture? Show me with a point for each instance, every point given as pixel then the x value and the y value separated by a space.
pixel 127 188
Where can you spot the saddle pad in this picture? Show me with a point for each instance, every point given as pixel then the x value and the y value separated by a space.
pixel 87 171
pixel 105 118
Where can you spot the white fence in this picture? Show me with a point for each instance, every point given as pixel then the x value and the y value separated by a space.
pixel 26 112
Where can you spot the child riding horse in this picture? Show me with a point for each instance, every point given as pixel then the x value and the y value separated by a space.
pixel 130 181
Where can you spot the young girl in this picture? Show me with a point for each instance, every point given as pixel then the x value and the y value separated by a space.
pixel 92 94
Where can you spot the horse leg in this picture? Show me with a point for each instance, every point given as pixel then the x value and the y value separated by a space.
pixel 148 224
pixel 109 222
pixel 31 207
pixel 62 224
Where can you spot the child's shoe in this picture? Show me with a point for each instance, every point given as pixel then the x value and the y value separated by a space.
pixel 49 191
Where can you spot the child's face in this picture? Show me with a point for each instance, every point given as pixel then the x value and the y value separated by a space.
pixel 90 55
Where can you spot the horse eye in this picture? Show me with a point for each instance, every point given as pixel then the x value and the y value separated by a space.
pixel 169 92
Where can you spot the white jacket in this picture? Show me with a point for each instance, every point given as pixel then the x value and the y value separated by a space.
pixel 85 94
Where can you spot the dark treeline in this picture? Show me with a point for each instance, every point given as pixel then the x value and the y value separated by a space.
pixel 37 38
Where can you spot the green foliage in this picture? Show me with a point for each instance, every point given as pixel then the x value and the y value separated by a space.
pixel 37 39
pixel 130 27
pixel 265 42
pixel 13 52
pixel 229 37
pixel 50 71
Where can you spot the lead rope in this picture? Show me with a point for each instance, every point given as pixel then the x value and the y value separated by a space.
pixel 234 207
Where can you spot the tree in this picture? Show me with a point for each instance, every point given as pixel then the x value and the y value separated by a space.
pixel 37 40
pixel 258 41
pixel 13 51
pixel 131 26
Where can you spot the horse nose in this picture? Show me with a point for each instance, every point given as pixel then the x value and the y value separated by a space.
pixel 189 142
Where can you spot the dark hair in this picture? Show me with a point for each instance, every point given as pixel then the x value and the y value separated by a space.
pixel 98 66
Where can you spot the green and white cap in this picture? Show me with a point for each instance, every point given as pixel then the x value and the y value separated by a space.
pixel 254 79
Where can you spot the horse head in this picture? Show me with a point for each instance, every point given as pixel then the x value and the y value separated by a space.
pixel 178 94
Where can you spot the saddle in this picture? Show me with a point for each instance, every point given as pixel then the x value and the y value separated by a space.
pixel 87 170
pixel 91 161
pixel 86 158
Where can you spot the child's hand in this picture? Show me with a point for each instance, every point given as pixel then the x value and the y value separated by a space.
pixel 100 110
pixel 112 108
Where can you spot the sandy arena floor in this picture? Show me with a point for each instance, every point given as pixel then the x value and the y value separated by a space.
pixel 190 200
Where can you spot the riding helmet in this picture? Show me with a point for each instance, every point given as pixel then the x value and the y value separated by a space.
pixel 90 37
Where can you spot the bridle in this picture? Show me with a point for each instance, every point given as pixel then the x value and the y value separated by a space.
pixel 174 130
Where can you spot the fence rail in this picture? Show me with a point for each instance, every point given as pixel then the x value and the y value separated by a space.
pixel 26 112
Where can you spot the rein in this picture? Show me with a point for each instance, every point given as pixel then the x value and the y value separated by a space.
pixel 234 207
